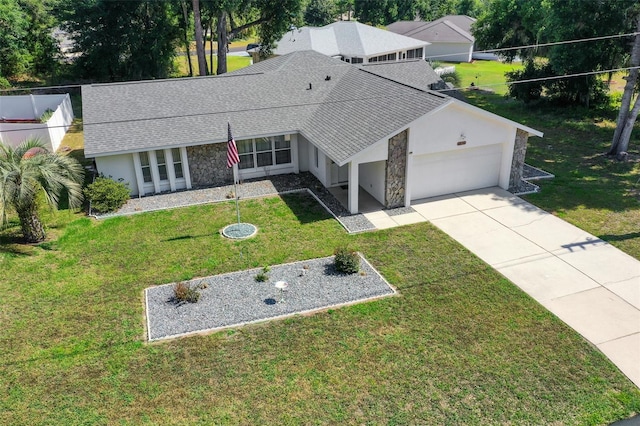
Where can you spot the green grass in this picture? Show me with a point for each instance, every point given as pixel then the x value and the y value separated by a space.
pixel 233 63
pixel 485 74
pixel 461 344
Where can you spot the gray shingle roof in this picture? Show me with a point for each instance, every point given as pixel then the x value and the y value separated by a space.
pixel 342 116
pixel 416 74
pixel 448 29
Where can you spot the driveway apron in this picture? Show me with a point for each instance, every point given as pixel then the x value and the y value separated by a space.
pixel 587 283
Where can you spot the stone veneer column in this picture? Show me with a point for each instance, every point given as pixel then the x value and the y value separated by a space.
pixel 519 152
pixel 208 165
pixel 396 171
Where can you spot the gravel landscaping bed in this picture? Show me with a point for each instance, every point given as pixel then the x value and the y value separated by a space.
pixel 235 299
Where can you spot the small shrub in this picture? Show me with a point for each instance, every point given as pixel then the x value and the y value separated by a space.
pixel 263 275
pixel 183 292
pixel 347 261
pixel 46 115
pixel 107 195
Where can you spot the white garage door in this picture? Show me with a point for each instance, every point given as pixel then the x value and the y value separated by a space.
pixel 455 171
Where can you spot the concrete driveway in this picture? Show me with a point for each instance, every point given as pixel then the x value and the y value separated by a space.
pixel 589 284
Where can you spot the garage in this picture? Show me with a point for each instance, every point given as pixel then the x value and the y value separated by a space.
pixel 455 171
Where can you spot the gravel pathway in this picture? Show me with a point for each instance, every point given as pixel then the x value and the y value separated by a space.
pixel 271 185
pixel 237 298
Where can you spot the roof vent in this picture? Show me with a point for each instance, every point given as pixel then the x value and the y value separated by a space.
pixel 309 88
pixel 327 78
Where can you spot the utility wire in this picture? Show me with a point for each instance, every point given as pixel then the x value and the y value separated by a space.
pixel 529 46
pixel 535 46
pixel 532 80
pixel 321 103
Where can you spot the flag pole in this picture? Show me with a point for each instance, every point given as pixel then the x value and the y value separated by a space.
pixel 232 161
pixel 235 190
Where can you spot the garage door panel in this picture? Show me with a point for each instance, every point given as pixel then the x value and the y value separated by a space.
pixel 455 171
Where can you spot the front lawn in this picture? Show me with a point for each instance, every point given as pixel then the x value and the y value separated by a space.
pixel 461 344
pixel 233 63
pixel 485 74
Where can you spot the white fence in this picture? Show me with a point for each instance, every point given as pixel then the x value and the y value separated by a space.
pixel 31 107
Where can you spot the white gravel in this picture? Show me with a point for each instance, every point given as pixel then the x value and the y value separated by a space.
pixel 236 299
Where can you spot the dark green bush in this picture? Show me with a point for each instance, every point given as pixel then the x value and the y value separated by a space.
pixel 106 195
pixel 263 275
pixel 347 261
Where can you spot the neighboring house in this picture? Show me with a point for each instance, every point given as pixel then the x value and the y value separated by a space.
pixel 373 127
pixel 450 38
pixel 44 117
pixel 352 42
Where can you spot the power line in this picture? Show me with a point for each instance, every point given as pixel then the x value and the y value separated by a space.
pixel 535 46
pixel 555 77
pixel 132 120
pixel 529 46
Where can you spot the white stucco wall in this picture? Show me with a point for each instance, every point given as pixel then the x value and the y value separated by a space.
pixel 322 170
pixel 449 52
pixel 303 153
pixel 372 177
pixel 119 166
pixel 442 130
pixel 440 133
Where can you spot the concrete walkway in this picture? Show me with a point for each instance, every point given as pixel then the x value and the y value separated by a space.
pixel 589 284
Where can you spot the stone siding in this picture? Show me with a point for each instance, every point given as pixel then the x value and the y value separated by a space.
pixel 208 165
pixel 396 171
pixel 519 153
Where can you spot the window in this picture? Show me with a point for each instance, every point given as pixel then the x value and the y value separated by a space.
pixel 282 150
pixel 315 156
pixel 146 167
pixel 245 150
pixel 356 60
pixel 391 57
pixel 414 53
pixel 264 152
pixel 162 165
pixel 177 162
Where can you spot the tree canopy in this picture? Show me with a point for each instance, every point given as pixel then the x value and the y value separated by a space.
pixel 122 40
pixel 512 23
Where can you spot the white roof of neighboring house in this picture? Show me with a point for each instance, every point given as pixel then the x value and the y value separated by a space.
pixel 448 29
pixel 345 38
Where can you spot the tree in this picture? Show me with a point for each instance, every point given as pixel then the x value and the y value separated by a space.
pixel 42 47
pixel 627 117
pixel 320 12
pixel 122 40
pixel 29 170
pixel 345 7
pixel 199 37
pixel 273 18
pixel 511 23
pixel 14 27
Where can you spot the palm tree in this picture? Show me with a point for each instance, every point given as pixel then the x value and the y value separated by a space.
pixel 28 170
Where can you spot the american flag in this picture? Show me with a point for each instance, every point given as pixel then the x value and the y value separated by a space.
pixel 232 150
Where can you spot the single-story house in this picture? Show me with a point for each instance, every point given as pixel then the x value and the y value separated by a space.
pixel 43 117
pixel 376 128
pixel 351 42
pixel 450 38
